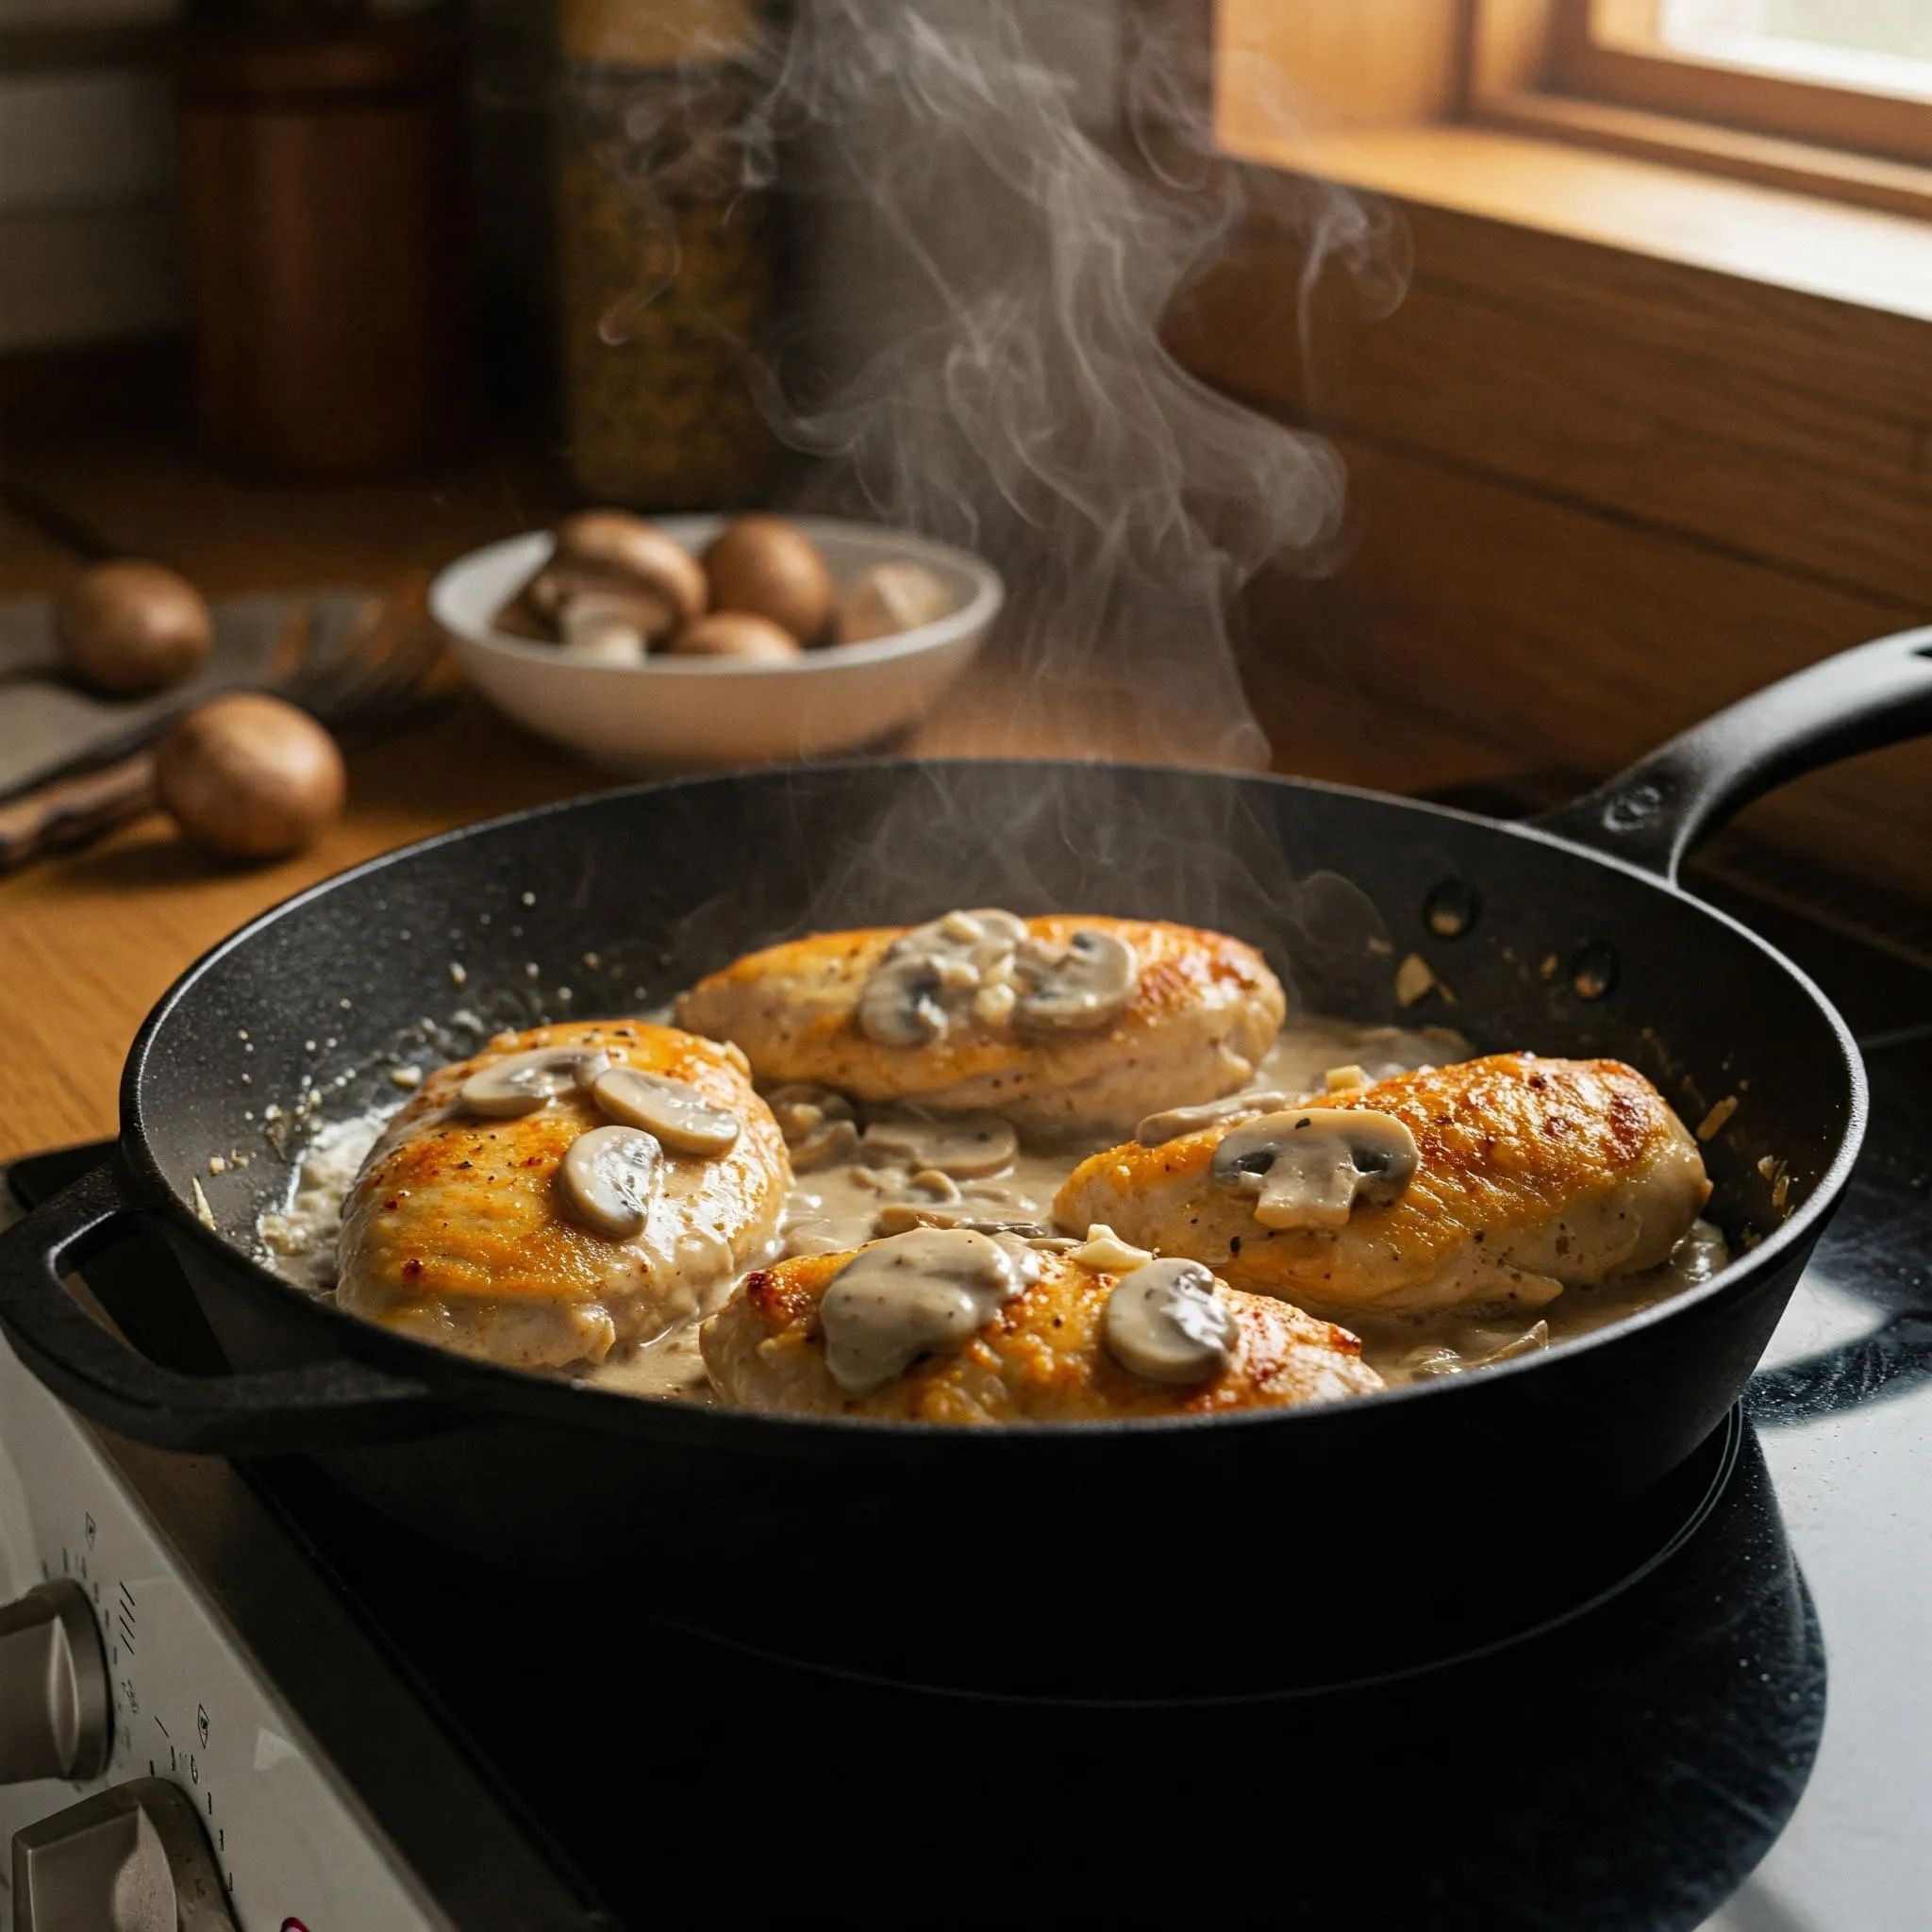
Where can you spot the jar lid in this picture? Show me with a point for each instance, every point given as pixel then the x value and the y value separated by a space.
pixel 666 33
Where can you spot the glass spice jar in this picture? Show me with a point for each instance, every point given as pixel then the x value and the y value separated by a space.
pixel 665 258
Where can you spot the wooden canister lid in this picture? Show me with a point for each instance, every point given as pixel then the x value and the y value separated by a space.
pixel 381 57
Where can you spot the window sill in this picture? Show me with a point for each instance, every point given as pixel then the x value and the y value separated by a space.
pixel 1638 441
pixel 1804 243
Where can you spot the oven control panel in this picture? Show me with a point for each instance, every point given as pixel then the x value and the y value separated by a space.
pixel 119 1678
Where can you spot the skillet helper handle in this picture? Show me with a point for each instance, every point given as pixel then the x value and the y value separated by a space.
pixel 254 1413
pixel 1657 812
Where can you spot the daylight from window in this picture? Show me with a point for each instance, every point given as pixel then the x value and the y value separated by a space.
pixel 1882 45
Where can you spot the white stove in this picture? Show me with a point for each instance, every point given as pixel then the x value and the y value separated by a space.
pixel 122 1669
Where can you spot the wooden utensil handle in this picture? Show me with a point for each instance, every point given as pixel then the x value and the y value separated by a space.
pixel 73 811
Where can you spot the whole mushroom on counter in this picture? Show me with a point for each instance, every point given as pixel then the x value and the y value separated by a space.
pixel 250 777
pixel 130 627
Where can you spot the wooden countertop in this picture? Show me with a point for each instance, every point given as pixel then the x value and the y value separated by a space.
pixel 89 941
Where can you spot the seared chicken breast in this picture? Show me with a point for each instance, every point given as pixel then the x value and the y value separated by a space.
pixel 1043 1357
pixel 1528 1175
pixel 463 1228
pixel 1065 1023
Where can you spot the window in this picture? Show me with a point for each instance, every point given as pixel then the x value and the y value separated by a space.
pixel 1849 75
pixel 1882 45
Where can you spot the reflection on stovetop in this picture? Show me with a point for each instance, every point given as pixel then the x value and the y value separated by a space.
pixel 1843 1409
pixel 1625 1769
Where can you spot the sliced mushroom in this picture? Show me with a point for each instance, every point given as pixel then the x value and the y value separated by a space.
pixel 901 1298
pixel 1083 984
pixel 526 1081
pixel 1158 1129
pixel 817 1122
pixel 677 1113
pixel 901 1216
pixel 1427 1363
pixel 1166 1321
pixel 1309 1166
pixel 957 964
pixel 1533 1340
pixel 965 1146
pixel 610 1174
pixel 899 1004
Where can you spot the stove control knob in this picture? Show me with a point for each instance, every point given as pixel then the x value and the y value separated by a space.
pixel 131 1858
pixel 54 1701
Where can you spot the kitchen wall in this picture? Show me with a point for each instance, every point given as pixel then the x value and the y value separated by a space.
pixel 90 247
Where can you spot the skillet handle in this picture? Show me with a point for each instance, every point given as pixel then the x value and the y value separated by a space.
pixel 1655 813
pixel 260 1412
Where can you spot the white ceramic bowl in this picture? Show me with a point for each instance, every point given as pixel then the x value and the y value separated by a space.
pixel 672 712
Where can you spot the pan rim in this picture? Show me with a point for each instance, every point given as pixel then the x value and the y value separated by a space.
pixel 472 1384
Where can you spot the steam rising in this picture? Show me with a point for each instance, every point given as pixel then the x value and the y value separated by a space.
pixel 1010 391
pixel 996 219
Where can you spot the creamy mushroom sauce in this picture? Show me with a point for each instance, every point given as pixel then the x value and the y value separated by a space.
pixel 839 1207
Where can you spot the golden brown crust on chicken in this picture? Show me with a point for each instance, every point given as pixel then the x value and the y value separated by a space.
pixel 1533 1175
pixel 1205 1009
pixel 1041 1359
pixel 457 1230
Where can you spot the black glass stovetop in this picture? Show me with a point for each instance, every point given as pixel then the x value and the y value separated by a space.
pixel 1726 1722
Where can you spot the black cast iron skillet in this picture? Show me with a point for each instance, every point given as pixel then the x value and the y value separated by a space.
pixel 1192 1553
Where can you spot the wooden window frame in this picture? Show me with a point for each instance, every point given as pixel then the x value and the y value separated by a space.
pixel 1590 72
pixel 1609 50
pixel 1637 429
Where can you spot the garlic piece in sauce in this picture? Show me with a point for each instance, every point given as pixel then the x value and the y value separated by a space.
pixel 610 1174
pixel 1307 1167
pixel 902 1298
pixel 819 1124
pixel 1166 1321
pixel 1103 1251
pixel 680 1117
pixel 526 1081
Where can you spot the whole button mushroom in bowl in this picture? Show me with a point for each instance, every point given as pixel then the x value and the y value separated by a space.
pixel 736 634
pixel 731 686
pixel 887 600
pixel 612 588
pixel 768 567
